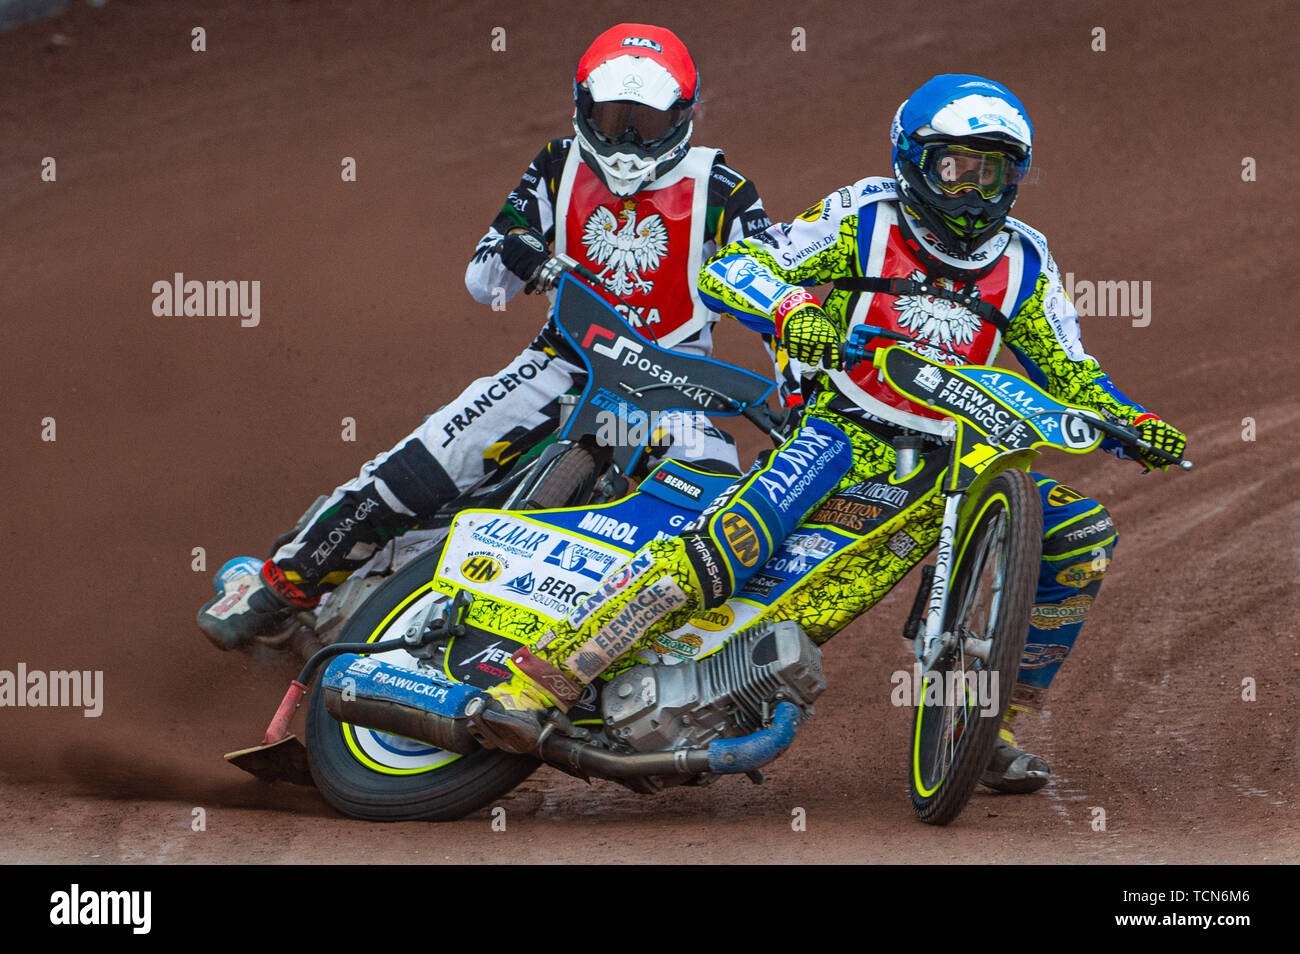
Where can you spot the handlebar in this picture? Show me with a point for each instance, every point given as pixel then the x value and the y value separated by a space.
pixel 1129 437
pixel 856 352
pixel 571 265
pixel 775 426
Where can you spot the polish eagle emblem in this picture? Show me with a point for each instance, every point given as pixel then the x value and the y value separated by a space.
pixel 626 246
pixel 938 320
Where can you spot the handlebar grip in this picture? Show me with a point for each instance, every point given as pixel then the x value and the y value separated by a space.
pixel 1128 437
pixel 587 273
pixel 760 416
pixel 573 265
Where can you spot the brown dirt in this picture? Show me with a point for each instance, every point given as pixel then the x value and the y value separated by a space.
pixel 177 433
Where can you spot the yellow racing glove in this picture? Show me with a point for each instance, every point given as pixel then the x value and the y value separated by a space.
pixel 1161 436
pixel 807 332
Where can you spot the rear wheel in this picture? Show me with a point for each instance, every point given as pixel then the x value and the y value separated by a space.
pixel 995 574
pixel 382 777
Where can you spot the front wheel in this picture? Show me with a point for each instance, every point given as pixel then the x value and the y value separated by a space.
pixel 990 598
pixel 378 776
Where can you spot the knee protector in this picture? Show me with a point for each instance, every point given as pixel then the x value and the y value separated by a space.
pixel 416 479
pixel 709 566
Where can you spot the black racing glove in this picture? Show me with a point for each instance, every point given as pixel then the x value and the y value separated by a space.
pixel 524 253
pixel 1163 437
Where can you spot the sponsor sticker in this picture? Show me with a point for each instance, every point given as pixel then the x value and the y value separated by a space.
pixel 1055 615
pixel 972 403
pixel 762 584
pixel 1062 496
pixel 876 491
pixel 558 595
pixel 809 544
pixel 700 553
pixel 1087 533
pixel 643 42
pixel 522 584
pixel 839 511
pixel 490 660
pixel 714 620
pixel 1081 574
pixel 812 213
pixel 511 536
pixel 583 560
pixel 480 569
pixel 605 526
pixel 795 299
pixel 683 645
pixel 901 544
pixel 928 378
pixel 1091 529
pixel 633 570
pixel 1042 656
pixel 800 464
pixel 669 479
pixel 742 539
pixel 617 636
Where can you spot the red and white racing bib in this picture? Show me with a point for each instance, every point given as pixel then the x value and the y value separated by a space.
pixel 647 248
pixel 938 320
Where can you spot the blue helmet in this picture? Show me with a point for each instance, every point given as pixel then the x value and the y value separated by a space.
pixel 960 146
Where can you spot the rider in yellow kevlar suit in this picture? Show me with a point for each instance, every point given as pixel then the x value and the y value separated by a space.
pixel 930 254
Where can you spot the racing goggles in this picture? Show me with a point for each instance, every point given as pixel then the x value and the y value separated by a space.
pixel 953 169
pixel 620 121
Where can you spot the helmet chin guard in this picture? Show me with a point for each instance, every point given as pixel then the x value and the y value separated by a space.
pixel 625 168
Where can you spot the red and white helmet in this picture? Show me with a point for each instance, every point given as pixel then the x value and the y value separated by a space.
pixel 634 97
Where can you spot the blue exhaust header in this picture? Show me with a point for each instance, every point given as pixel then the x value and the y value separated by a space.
pixel 757 749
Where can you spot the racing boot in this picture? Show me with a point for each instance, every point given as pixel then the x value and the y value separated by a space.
pixel 1012 770
pixel 246 605
pixel 510 716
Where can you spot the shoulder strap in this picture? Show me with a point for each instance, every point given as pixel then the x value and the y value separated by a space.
pixel 907 286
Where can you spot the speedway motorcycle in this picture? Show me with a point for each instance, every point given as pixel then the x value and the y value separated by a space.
pixel 387 726
pixel 545 475
pixel 604 437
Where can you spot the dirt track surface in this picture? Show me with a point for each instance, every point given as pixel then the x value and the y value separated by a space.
pixel 175 433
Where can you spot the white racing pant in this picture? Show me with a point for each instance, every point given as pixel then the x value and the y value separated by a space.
pixel 481 432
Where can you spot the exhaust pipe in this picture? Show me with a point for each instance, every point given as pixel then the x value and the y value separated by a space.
pixel 722 756
pixel 384 716
pixel 419 704
pixel 427 707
